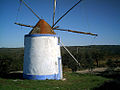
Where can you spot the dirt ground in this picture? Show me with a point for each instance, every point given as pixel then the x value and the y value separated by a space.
pixel 94 70
pixel 81 71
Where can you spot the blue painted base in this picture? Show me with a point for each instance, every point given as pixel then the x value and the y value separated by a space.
pixel 42 77
pixel 45 77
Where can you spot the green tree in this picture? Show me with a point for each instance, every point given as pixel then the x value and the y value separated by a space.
pixel 89 62
pixel 110 63
pixel 117 63
pixel 69 62
pixel 97 55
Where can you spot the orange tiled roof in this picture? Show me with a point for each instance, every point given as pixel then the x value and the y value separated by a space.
pixel 42 27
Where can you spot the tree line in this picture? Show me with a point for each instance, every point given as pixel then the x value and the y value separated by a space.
pixel 91 56
pixel 11 59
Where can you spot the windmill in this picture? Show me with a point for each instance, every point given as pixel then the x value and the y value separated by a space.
pixel 42 58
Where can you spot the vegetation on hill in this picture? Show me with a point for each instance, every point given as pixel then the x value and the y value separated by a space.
pixel 91 56
pixel 11 59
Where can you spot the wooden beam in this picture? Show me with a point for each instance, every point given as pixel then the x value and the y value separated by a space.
pixel 23 25
pixel 88 33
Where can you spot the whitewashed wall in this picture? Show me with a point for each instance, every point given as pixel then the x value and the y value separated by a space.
pixel 41 55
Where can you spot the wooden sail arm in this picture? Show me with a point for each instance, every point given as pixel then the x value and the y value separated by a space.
pixel 31 25
pixel 66 13
pixel 30 9
pixel 88 33
pixel 23 25
pixel 54 11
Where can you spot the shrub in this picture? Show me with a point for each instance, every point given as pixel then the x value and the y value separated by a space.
pixel 11 62
pixel 5 63
pixel 112 64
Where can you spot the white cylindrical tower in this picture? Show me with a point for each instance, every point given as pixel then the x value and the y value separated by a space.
pixel 42 58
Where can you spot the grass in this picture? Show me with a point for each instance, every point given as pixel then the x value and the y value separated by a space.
pixel 74 81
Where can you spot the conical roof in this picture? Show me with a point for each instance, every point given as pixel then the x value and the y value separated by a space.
pixel 42 27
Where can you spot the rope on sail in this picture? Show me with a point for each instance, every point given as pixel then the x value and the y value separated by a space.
pixel 18 11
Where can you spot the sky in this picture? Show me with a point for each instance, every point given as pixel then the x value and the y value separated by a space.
pixel 96 16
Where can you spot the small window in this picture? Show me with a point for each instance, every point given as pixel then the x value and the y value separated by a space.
pixel 58 40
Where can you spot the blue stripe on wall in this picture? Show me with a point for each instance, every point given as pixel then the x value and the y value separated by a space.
pixel 59 71
pixel 40 77
pixel 38 35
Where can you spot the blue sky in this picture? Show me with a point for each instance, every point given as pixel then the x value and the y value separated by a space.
pixel 96 16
